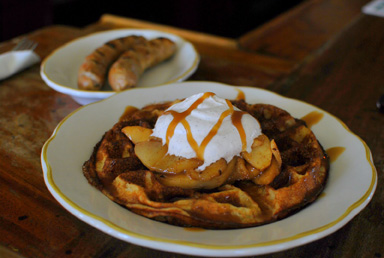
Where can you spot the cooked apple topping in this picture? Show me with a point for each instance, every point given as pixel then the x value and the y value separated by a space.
pixel 209 162
pixel 199 143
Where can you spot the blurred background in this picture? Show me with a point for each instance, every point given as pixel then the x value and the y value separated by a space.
pixel 228 18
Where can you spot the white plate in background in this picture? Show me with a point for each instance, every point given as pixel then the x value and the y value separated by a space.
pixel 59 70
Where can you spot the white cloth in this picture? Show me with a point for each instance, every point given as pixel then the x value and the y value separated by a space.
pixel 375 7
pixel 15 61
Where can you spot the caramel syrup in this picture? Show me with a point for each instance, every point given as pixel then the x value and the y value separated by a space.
pixel 334 153
pixel 322 195
pixel 240 95
pixel 181 118
pixel 194 229
pixel 236 121
pixel 129 110
pixel 312 118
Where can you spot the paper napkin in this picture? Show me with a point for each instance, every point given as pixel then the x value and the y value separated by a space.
pixel 15 61
pixel 375 7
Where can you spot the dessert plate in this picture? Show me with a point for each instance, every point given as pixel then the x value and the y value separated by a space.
pixel 350 186
pixel 59 70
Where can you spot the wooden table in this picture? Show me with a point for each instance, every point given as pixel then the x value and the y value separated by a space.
pixel 323 52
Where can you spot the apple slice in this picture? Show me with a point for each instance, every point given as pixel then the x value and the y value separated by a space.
pixel 276 153
pixel 211 177
pixel 213 170
pixel 150 152
pixel 137 133
pixel 260 156
pixel 153 154
pixel 242 171
pixel 268 175
pixel 176 164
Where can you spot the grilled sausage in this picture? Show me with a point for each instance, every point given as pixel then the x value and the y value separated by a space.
pixel 125 72
pixel 92 73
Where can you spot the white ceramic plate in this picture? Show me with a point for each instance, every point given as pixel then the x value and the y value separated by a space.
pixel 350 187
pixel 59 70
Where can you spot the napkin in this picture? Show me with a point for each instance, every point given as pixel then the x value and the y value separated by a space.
pixel 15 61
pixel 375 7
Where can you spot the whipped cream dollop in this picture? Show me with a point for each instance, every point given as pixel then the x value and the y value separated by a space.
pixel 207 127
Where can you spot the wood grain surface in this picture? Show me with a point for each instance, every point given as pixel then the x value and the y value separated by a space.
pixel 324 52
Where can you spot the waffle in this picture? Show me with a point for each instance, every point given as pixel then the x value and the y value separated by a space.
pixel 241 201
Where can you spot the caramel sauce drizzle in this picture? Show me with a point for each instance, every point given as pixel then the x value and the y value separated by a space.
pixel 190 138
pixel 236 121
pixel 240 95
pixel 129 110
pixel 312 118
pixel 334 153
pixel 181 118
pixel 322 195
pixel 195 229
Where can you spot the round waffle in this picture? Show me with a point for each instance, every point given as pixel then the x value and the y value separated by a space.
pixel 240 201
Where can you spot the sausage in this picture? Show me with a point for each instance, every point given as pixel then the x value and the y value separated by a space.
pixel 125 72
pixel 93 71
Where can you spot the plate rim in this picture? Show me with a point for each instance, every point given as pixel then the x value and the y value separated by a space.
pixel 103 94
pixel 213 249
